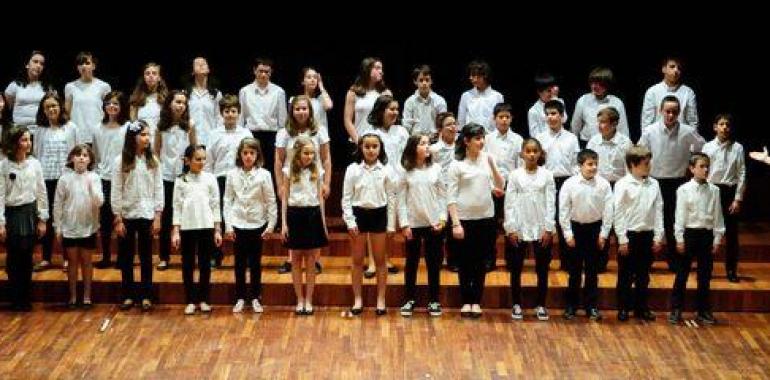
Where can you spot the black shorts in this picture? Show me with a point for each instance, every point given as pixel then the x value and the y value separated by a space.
pixel 88 242
pixel 371 219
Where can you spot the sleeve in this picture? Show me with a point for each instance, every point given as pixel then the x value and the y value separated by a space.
pixel 607 213
pixel 577 119
pixel 214 198
pixel 269 201
pixel 619 219
pixel 649 109
pixel 452 187
pixel 227 202
pixel 680 215
pixel 282 109
pixel 565 208
pixel 691 111
pixel 532 121
pixel 658 205
pixel 281 138
pixel 58 203
pixel 244 107
pixel 391 188
pixel 441 105
pixel 644 140
pixel 623 121
pixel 177 203
pixel 41 193
pixel 11 89
pixel 116 189
pixel 696 140
pixel 96 190
pixel 510 223
pixel 211 151
pixel 740 165
pixel 347 197
pixel 409 119
pixel 718 217
pixel 158 191
pixel 68 92
pixel 550 204
pixel 462 110
pixel 3 175
pixel 403 209
pixel 441 194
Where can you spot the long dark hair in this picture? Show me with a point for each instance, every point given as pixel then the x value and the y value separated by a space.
pixel 469 131
pixel 189 152
pixel 121 98
pixel 41 119
pixel 128 156
pixel 211 82
pixel 22 80
pixel 141 91
pixel 358 156
pixel 11 137
pixel 167 117
pixel 409 158
pixel 361 85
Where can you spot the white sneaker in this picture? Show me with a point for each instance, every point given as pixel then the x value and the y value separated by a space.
pixel 476 310
pixel 516 313
pixel 465 311
pixel 190 309
pixel 256 306
pixel 206 308
pixel 542 313
pixel 238 308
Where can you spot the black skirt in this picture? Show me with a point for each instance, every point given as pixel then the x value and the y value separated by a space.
pixel 371 219
pixel 21 220
pixel 306 228
pixel 88 242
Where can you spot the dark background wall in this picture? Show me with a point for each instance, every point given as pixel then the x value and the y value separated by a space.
pixel 725 70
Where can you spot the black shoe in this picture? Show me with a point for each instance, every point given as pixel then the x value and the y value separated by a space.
pixel 675 317
pixel 733 277
pixel 490 267
pixel 594 314
pixel 318 268
pixel 569 313
pixel 369 274
pixel 355 311
pixel 380 312
pixel 72 305
pixel 706 317
pixel 285 268
pixel 623 315
pixel 393 269
pixel 645 315
pixel 453 268
pixel 88 305
pixel 103 264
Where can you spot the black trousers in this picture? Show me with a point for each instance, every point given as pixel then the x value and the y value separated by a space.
pixel 604 254
pixel 514 257
pixel 423 236
pixel 267 142
pixel 248 252
pixel 698 244
pixel 106 218
pixel 452 247
pixel 668 187
pixel 19 268
pixel 585 256
pixel 166 219
pixel 634 269
pixel 479 239
pixel 218 252
pixel 732 249
pixel 141 230
pixel 197 243
pixel 562 243
pixel 48 239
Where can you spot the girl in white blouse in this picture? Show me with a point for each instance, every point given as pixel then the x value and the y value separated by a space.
pixel 250 214
pixel 204 100
pixel 422 217
pixel 24 93
pixel 196 223
pixel 23 212
pixel 83 98
pixel 54 138
pixel 137 202
pixel 175 133
pixel 530 207
pixel 148 97
pixel 76 218
pixel 304 225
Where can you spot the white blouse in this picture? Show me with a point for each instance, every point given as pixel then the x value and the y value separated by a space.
pixel 20 184
pixel 150 112
pixel 530 203
pixel 86 112
pixel 422 198
pixel 174 141
pixel 561 149
pixel 305 192
pixel 469 186
pixel 286 141
pixel 477 107
pixel 363 107
pixel 204 111
pixel 369 187
pixel 728 165
pixel 505 149
pixel 249 200
pixel 76 204
pixel 108 144
pixel 52 146
pixel 196 201
pixel 137 194
pixel 263 109
pixel 26 101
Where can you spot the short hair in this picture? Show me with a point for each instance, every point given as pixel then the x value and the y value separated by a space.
pixel 502 107
pixel 670 98
pixel 728 117
pixel 602 75
pixel 263 61
pixel 555 105
pixel 77 149
pixel 480 68
pixel 698 156
pixel 544 81
pixel 11 137
pixel 440 119
pixel 585 155
pixel 636 154
pixel 229 101
pixel 609 112
pixel 83 57
pixel 422 69
pixel 253 144
pixel 670 58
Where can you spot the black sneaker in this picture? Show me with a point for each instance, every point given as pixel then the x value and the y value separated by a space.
pixel 594 314
pixel 569 313
pixel 706 317
pixel 623 315
pixel 393 269
pixel 733 277
pixel 645 315
pixel 675 317
pixel 434 309
pixel 369 273
pixel 285 268
pixel 407 309
pixel 318 268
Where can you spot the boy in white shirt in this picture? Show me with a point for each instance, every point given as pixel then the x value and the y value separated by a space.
pixel 477 104
pixel 547 89
pixel 421 108
pixel 584 121
pixel 671 84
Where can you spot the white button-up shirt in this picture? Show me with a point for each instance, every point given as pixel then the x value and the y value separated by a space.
pixel 52 146
pixel 196 201
pixel 137 194
pixel 150 113
pixel 506 149
pixel 654 96
pixel 305 192
pixel 422 197
pixel 671 148
pixel 223 148
pixel 561 149
pixel 76 204
pixel 443 155
pixel 638 207
pixel 108 145
pixel 612 155
pixel 26 101
pixel 204 111
pixel 420 113
pixel 263 109
pixel 249 200
pixel 585 123
pixel 20 184
pixel 369 187
pixel 698 206
pixel 530 203
pixel 536 117
pixel 478 106
pixel 469 186
pixel 174 141
pixel 394 143
pixel 286 141
pixel 585 201
pixel 86 110
pixel 728 165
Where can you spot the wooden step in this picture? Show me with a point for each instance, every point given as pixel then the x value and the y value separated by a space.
pixel 333 286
